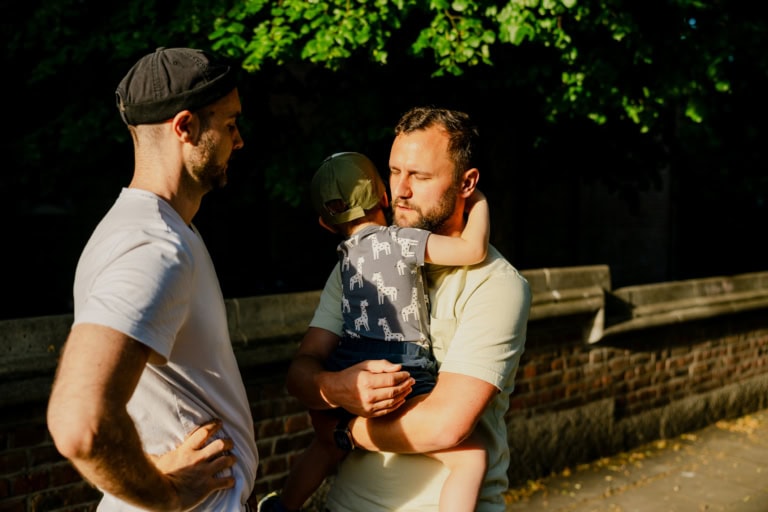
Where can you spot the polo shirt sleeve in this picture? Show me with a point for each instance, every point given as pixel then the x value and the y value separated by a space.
pixel 489 329
pixel 328 314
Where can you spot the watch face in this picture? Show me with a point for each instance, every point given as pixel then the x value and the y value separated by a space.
pixel 342 439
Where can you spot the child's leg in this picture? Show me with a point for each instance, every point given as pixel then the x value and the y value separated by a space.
pixel 467 463
pixel 308 471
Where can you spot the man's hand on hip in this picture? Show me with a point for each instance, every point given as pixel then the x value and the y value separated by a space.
pixel 194 466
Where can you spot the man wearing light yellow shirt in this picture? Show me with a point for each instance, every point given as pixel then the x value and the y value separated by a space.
pixel 478 324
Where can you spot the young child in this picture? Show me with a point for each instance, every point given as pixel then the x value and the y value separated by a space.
pixel 385 313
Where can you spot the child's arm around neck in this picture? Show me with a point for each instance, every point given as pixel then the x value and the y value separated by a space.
pixel 469 248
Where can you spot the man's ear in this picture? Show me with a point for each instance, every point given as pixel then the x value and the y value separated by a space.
pixel 186 126
pixel 469 182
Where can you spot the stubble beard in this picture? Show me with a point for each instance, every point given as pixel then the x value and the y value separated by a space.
pixel 434 220
pixel 206 171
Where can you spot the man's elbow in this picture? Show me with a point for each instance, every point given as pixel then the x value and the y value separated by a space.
pixel 71 436
pixel 303 374
pixel 295 375
pixel 292 387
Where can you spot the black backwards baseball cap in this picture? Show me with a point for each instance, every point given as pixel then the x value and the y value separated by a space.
pixel 350 178
pixel 163 83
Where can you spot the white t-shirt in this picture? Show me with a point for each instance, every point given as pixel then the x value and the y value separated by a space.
pixel 478 321
pixel 147 274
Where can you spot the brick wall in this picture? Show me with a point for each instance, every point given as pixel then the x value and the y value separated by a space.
pixel 582 391
pixel 645 370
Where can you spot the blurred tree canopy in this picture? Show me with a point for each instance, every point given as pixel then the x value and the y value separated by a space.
pixel 605 91
pixel 595 44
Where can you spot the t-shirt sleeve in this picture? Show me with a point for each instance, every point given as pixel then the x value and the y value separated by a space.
pixel 143 291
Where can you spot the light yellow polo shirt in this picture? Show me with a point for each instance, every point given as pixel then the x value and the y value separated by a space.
pixel 478 325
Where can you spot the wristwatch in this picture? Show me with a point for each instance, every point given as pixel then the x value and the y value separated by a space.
pixel 341 434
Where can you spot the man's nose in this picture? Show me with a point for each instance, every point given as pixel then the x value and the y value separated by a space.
pixel 238 141
pixel 399 184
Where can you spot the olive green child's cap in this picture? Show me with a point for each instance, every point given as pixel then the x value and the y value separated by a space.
pixel 345 186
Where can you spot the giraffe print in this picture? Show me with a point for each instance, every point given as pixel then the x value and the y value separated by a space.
pixel 412 308
pixel 379 246
pixel 405 245
pixel 352 241
pixel 345 304
pixel 388 334
pixel 389 291
pixel 362 320
pixel 358 277
pixel 401 266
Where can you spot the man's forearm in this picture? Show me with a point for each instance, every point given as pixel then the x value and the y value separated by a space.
pixel 305 382
pixel 88 420
pixel 440 420
pixel 418 430
pixel 118 465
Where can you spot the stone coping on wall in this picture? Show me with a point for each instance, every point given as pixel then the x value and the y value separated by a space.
pixel 567 291
pixel 267 329
pixel 32 345
pixel 643 306
pixel 586 291
pixel 264 329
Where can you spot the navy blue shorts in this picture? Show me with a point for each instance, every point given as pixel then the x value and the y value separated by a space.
pixel 415 359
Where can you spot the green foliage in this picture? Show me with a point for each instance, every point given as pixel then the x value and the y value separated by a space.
pixel 609 50
pixel 458 34
pixel 316 31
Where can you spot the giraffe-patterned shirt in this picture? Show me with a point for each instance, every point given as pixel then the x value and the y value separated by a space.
pixel 383 293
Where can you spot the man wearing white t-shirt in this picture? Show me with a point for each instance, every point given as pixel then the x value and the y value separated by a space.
pixel 478 322
pixel 148 402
